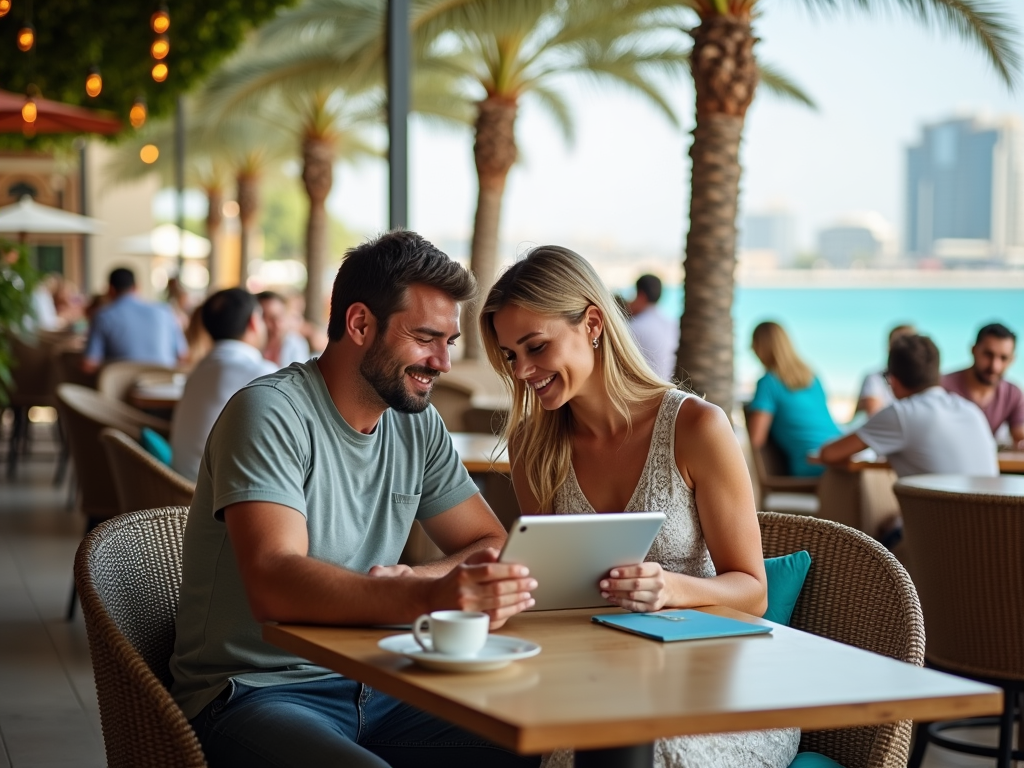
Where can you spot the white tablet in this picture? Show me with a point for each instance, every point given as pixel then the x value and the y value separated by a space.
pixel 569 554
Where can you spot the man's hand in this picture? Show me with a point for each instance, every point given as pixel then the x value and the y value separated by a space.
pixel 391 570
pixel 640 588
pixel 481 583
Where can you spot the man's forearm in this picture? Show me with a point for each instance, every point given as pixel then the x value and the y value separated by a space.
pixel 443 566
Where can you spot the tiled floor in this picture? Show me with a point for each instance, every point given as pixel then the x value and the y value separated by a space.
pixel 48 712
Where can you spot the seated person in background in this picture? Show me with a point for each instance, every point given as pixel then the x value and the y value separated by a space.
pixel 285 345
pixel 926 430
pixel 314 333
pixel 128 328
pixel 594 428
pixel 308 488
pixel 875 392
pixel 232 318
pixel 656 335
pixel 789 404
pixel 983 383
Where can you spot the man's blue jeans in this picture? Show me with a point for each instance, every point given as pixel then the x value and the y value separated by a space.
pixel 335 722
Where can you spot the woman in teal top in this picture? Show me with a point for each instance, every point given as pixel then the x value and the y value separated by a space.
pixel 789 404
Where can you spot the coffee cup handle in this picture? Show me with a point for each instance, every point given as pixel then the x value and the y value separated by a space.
pixel 423 637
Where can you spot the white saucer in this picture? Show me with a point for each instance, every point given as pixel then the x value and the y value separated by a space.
pixel 499 652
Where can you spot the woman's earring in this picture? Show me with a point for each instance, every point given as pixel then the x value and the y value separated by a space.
pixel 596 342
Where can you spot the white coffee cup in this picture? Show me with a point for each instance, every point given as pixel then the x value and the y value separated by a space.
pixel 453 633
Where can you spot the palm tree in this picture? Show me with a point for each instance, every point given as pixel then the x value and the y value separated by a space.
pixel 483 57
pixel 725 76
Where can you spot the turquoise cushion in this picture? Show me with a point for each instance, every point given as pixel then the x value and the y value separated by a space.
pixel 786 576
pixel 813 760
pixel 157 446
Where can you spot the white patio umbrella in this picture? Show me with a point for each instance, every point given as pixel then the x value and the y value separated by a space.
pixel 29 217
pixel 163 241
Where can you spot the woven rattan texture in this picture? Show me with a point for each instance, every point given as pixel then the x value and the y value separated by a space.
pixel 856 593
pixel 142 481
pixel 128 572
pixel 966 554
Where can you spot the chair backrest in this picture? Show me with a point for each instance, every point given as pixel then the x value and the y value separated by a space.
pixel 452 399
pixel 117 379
pixel 142 481
pixel 966 554
pixel 84 412
pixel 34 371
pixel 856 593
pixel 128 573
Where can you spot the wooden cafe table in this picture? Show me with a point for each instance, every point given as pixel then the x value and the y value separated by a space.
pixel 610 694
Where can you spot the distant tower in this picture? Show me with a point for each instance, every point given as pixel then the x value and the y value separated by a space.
pixel 770 231
pixel 965 191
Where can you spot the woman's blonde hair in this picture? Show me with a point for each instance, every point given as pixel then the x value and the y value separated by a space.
pixel 774 349
pixel 554 281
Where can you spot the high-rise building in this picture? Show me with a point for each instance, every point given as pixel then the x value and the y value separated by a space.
pixel 965 191
pixel 769 234
pixel 858 239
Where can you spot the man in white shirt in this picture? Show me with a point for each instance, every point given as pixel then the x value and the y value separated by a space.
pixel 656 335
pixel 234 320
pixel 926 430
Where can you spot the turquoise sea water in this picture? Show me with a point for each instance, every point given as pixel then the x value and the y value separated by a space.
pixel 842 332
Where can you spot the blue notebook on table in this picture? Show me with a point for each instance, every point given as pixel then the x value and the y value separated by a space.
pixel 669 626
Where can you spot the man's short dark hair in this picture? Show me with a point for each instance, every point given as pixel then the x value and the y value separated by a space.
pixel 996 330
pixel 377 274
pixel 121 279
pixel 649 286
pixel 914 362
pixel 270 296
pixel 226 313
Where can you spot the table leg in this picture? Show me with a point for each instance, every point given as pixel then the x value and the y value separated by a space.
pixel 638 756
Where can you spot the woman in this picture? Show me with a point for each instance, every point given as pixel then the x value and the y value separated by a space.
pixel 789 404
pixel 591 427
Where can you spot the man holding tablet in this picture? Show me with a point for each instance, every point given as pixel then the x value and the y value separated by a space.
pixel 308 487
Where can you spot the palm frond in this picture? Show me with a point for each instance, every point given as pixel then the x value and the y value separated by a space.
pixel 780 84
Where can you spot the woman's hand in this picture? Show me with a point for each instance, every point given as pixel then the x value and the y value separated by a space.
pixel 639 588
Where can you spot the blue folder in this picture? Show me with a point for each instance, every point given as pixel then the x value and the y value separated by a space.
pixel 669 626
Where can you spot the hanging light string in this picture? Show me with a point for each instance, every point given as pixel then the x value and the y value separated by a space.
pixel 160 22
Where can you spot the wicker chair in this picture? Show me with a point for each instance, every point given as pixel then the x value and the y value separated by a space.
pixel 856 593
pixel 966 553
pixel 117 379
pixel 142 481
pixel 84 412
pixel 128 572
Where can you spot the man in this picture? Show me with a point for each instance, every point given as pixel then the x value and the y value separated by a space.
pixel 656 335
pixel 285 345
pixel 233 319
pixel 307 490
pixel 926 429
pixel 983 383
pixel 128 328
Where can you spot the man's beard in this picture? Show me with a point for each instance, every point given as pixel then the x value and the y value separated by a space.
pixel 986 377
pixel 387 377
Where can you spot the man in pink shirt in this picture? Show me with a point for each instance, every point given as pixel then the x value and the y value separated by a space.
pixel 984 385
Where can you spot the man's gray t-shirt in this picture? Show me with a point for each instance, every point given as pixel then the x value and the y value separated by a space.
pixel 282 440
pixel 933 432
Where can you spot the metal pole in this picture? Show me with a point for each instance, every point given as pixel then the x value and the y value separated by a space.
pixel 83 194
pixel 179 178
pixel 398 112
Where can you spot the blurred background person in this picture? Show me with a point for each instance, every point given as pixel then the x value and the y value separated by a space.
pixel 128 328
pixel 197 338
pixel 234 322
pixel 656 335
pixel 875 392
pixel 179 301
pixel 285 345
pixel 315 334
pixel 789 403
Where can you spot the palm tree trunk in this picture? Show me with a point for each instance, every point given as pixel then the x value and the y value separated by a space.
pixel 214 218
pixel 318 177
pixel 248 208
pixel 494 153
pixel 725 76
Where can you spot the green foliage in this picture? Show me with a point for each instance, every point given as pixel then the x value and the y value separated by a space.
pixel 17 281
pixel 72 35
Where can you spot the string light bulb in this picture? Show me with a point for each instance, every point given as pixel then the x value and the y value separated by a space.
pixel 138 113
pixel 94 82
pixel 160 48
pixel 29 110
pixel 160 21
pixel 5 7
pixel 160 71
pixel 26 38
pixel 149 154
